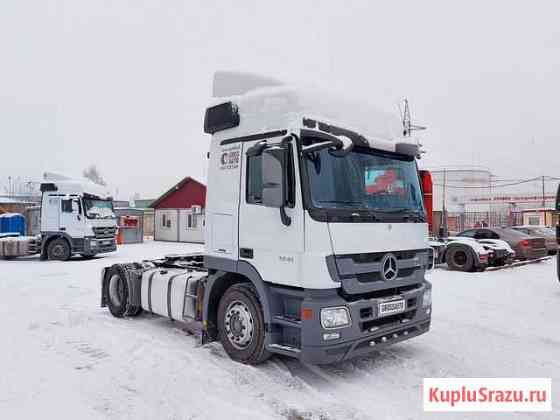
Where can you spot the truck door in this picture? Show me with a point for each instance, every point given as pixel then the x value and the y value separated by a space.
pixel 50 214
pixel 274 249
pixel 70 217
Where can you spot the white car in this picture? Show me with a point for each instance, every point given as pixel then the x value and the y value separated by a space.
pixel 468 254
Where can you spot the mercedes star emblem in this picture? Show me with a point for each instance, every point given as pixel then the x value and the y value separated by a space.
pixel 389 269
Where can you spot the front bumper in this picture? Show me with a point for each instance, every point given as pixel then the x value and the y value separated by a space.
pixel 368 330
pixel 363 346
pixel 99 246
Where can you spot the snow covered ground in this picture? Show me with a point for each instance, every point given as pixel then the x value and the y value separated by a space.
pixel 64 357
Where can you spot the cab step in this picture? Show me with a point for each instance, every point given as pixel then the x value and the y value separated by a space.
pixel 284 350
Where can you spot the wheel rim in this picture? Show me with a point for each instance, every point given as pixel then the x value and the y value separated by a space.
pixel 460 258
pixel 58 251
pixel 239 325
pixel 116 289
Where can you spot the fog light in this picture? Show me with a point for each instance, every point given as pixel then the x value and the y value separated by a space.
pixel 427 298
pixel 337 317
pixel 331 336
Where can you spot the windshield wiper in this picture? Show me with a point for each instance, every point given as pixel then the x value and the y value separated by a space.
pixel 340 202
pixel 420 217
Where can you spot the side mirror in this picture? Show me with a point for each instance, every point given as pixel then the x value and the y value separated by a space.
pixel 275 161
pixel 75 207
pixel 274 169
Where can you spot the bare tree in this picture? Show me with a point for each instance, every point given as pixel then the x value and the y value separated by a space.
pixel 93 175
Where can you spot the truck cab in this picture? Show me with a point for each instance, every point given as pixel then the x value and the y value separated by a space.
pixel 76 218
pixel 318 201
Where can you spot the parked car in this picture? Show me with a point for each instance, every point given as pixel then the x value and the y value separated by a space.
pixel 461 254
pixel 501 253
pixel 469 254
pixel 525 246
pixel 549 235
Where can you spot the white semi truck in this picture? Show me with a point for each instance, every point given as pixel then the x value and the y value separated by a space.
pixel 316 236
pixel 76 218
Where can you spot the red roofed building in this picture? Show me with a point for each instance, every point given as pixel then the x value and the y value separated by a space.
pixel 179 212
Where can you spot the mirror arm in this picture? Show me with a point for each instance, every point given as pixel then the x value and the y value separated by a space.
pixel 286 220
pixel 257 149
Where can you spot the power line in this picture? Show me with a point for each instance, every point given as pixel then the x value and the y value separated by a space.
pixel 490 186
pixel 543 179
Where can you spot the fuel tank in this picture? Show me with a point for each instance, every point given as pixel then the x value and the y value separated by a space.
pixel 171 292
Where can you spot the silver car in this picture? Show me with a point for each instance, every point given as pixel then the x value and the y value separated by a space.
pixel 547 233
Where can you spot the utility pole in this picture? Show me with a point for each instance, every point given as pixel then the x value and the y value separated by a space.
pixel 543 193
pixel 443 207
pixel 491 212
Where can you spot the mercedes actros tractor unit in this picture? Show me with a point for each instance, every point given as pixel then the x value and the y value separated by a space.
pixel 76 218
pixel 316 241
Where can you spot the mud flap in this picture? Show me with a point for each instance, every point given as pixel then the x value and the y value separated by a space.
pixel 103 288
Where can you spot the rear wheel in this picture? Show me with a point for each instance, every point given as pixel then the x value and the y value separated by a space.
pixel 59 250
pixel 117 293
pixel 241 325
pixel 460 259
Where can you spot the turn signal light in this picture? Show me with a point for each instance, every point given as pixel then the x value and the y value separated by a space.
pixel 306 314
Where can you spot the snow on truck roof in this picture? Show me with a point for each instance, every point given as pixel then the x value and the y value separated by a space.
pixel 66 185
pixel 266 104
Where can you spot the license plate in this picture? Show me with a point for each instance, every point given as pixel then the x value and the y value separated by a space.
pixel 392 307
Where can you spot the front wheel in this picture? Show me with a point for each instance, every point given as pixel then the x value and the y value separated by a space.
pixel 59 250
pixel 241 325
pixel 460 259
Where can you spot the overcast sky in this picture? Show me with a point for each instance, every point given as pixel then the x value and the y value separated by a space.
pixel 124 84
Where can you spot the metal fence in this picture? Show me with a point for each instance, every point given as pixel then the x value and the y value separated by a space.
pixel 457 222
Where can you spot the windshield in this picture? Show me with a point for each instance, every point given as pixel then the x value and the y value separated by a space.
pixel 98 209
pixel 364 179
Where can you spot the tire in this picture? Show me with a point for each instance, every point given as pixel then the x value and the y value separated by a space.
pixel 241 327
pixel 116 289
pixel 501 262
pixel 460 259
pixel 59 250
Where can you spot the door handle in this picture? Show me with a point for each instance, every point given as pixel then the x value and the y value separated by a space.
pixel 246 252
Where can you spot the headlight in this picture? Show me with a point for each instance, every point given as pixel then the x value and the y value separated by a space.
pixel 335 317
pixel 427 299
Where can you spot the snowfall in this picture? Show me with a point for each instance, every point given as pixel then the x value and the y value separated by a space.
pixel 64 357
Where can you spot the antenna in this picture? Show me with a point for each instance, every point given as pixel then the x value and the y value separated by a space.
pixel 408 127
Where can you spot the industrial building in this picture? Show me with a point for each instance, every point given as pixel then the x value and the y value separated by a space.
pixel 471 196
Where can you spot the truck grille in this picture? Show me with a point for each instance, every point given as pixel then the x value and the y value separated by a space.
pixel 104 232
pixel 368 272
pixel 368 267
